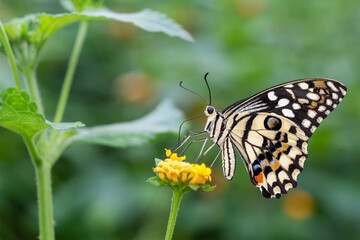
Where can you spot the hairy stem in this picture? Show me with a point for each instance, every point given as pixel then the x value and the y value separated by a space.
pixel 70 71
pixel 46 218
pixel 175 203
pixel 4 39
pixel 32 84
pixel 43 184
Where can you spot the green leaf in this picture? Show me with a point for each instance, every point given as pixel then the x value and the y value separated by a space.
pixel 65 125
pixel 147 20
pixel 19 114
pixel 80 5
pixel 194 187
pixel 28 34
pixel 207 188
pixel 156 181
pixel 165 118
pixel 61 137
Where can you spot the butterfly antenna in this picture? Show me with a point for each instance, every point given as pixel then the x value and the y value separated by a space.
pixel 180 84
pixel 207 84
pixel 185 122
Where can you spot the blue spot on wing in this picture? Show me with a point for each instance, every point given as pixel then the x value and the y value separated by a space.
pixel 257 166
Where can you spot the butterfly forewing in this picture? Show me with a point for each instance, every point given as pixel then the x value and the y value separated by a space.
pixel 306 102
pixel 271 130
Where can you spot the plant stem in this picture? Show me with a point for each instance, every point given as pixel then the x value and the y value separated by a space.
pixel 10 55
pixel 43 183
pixel 32 84
pixel 46 218
pixel 175 203
pixel 70 71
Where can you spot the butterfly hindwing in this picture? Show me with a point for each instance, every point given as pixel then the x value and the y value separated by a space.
pixel 273 155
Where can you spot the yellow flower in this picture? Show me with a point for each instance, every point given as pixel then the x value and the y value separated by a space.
pixel 173 169
pixel 173 156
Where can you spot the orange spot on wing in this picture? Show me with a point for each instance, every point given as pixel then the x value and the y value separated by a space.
pixel 275 165
pixel 313 105
pixel 283 148
pixel 276 153
pixel 259 178
pixel 320 84
pixel 322 100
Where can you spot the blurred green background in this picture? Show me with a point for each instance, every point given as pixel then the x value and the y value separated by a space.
pixel 247 46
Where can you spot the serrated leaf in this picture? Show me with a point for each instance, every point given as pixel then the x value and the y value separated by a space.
pixel 207 188
pixel 156 181
pixel 165 118
pixel 19 114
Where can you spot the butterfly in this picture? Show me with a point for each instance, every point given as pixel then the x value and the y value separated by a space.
pixel 271 130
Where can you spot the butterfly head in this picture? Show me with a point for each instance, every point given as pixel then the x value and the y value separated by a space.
pixel 209 110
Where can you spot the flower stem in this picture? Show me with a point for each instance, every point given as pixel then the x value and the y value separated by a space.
pixel 175 203
pixel 70 71
pixel 10 55
pixel 32 84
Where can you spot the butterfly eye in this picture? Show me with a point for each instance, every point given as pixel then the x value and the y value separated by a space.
pixel 210 109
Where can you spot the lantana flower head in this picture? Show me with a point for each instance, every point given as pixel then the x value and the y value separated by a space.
pixel 174 170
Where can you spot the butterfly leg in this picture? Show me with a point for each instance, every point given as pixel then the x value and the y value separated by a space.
pixel 189 135
pixel 202 149
pixel 205 152
pixel 215 159
pixel 192 141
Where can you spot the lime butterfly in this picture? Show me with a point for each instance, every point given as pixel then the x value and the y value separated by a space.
pixel 271 129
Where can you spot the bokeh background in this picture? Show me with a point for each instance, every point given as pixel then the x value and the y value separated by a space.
pixel 247 46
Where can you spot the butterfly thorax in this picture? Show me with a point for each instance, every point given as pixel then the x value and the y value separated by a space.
pixel 215 125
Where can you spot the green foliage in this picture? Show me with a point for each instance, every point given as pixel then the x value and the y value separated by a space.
pixel 81 5
pixel 19 114
pixel 156 181
pixel 147 20
pixel 27 35
pixel 207 187
pixel 165 118
pixel 65 125
pixel 22 39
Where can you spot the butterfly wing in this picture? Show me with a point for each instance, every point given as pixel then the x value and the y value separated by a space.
pixel 273 155
pixel 306 101
pixel 271 129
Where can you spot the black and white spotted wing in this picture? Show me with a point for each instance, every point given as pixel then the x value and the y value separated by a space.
pixel 271 130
